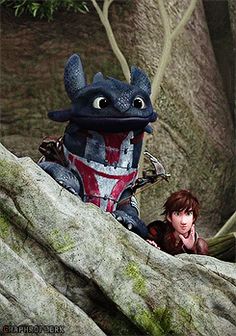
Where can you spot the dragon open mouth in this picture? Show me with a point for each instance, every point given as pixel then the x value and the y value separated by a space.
pixel 115 124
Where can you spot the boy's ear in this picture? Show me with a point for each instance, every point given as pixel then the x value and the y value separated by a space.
pixel 169 218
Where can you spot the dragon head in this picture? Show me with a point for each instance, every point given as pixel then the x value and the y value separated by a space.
pixel 107 105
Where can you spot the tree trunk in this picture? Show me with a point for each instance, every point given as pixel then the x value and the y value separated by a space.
pixel 194 135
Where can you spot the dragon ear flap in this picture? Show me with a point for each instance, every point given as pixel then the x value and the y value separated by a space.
pixel 98 77
pixel 74 78
pixel 140 79
pixel 61 116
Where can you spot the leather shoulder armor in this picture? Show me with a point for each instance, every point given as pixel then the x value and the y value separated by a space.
pixel 52 150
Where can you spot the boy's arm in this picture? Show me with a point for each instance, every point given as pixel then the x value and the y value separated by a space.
pixel 156 231
pixel 200 246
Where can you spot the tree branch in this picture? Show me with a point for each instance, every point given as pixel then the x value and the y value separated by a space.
pixel 165 53
pixel 184 20
pixel 228 227
pixel 223 247
pixel 169 37
pixel 103 15
pixel 106 5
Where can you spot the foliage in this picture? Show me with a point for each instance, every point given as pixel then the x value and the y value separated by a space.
pixel 223 247
pixel 44 9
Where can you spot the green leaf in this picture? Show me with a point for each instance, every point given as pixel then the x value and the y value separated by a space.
pixel 44 8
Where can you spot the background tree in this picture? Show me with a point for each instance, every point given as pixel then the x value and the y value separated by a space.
pixel 192 139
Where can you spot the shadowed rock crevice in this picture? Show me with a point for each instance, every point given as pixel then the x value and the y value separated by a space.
pixel 221 32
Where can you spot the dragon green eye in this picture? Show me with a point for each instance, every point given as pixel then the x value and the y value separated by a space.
pixel 100 102
pixel 139 103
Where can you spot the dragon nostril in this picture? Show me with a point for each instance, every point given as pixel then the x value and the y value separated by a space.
pixel 124 101
pixel 122 104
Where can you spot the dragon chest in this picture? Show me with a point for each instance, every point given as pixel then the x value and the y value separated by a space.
pixel 105 168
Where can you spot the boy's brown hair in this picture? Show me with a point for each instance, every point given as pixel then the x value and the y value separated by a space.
pixel 179 201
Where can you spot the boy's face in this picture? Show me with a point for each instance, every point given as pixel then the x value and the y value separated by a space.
pixel 181 221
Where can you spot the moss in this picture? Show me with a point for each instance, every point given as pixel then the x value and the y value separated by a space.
pixel 17 248
pixel 4 227
pixel 149 323
pixel 160 322
pixel 184 318
pixel 185 315
pixel 139 283
pixel 60 306
pixel 163 315
pixel 61 242
pixel 11 173
pixel 55 299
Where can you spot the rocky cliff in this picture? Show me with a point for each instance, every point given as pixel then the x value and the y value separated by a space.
pixel 67 263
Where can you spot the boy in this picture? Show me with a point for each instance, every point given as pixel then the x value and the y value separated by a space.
pixel 177 233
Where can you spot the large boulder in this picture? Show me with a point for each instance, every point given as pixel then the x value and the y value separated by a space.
pixel 58 253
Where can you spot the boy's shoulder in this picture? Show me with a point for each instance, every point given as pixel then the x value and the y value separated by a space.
pixel 157 227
